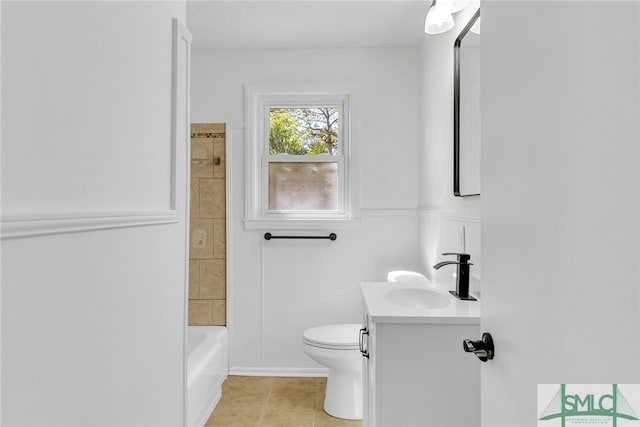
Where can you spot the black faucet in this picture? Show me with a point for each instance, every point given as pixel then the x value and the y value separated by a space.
pixel 462 275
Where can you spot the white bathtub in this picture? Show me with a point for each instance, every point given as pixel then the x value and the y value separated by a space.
pixel 207 367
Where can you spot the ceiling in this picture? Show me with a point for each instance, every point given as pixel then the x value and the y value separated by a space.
pixel 306 23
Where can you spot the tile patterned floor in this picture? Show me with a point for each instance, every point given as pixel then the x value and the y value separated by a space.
pixel 274 401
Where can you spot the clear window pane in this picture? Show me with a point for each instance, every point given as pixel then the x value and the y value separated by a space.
pixel 303 186
pixel 304 131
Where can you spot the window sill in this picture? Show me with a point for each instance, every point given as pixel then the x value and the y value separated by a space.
pixel 301 224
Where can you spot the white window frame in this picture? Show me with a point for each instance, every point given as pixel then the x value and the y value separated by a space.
pixel 258 100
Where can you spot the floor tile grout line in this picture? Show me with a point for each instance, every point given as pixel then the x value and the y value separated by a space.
pixel 315 399
pixel 266 403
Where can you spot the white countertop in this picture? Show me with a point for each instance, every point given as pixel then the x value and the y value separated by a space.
pixel 381 310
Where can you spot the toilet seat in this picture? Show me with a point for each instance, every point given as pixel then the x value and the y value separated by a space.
pixel 334 337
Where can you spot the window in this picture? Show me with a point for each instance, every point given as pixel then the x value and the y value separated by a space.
pixel 300 157
pixel 304 160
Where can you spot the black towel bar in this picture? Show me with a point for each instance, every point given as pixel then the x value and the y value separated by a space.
pixel 269 236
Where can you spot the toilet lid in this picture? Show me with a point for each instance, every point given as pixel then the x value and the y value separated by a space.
pixel 343 336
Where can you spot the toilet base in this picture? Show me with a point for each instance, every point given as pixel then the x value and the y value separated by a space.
pixel 343 397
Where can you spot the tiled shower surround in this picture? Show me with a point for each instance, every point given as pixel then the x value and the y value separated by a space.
pixel 207 252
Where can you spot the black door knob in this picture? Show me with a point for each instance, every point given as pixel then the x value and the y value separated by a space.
pixel 482 348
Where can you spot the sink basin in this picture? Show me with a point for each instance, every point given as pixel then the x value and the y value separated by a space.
pixel 420 299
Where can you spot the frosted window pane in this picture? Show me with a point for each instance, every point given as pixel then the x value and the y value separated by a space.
pixel 303 186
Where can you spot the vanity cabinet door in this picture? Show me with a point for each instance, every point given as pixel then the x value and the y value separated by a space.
pixel 418 374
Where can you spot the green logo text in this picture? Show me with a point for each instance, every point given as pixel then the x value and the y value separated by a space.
pixel 612 405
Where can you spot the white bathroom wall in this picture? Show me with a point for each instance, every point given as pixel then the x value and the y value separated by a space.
pixel 561 193
pixel 93 315
pixel 73 124
pixel 279 288
pixel 447 223
pixel 387 80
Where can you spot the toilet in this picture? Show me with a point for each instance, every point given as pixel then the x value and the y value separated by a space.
pixel 336 347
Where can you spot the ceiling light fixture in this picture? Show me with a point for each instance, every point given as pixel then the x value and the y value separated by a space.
pixel 438 19
pixel 440 15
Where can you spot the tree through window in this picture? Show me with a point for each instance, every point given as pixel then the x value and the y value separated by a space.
pixel 303 131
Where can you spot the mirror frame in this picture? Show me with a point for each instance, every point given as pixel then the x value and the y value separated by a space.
pixel 456 107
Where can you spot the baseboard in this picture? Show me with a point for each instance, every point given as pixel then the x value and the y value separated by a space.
pixel 252 371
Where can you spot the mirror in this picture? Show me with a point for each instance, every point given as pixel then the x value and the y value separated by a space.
pixel 466 110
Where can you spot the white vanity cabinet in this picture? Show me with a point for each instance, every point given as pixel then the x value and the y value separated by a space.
pixel 416 372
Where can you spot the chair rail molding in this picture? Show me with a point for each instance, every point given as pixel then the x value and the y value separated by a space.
pixel 459 216
pixel 21 226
